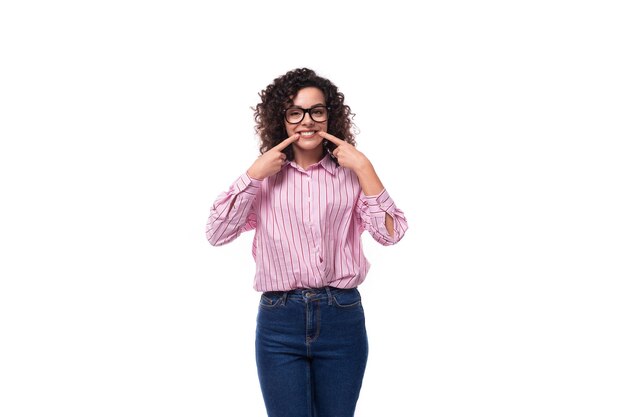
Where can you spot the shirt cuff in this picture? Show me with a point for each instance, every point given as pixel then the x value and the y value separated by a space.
pixel 246 182
pixel 380 202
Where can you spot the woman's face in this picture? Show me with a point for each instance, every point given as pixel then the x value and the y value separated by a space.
pixel 308 98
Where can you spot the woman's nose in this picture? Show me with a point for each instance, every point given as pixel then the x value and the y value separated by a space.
pixel 307 120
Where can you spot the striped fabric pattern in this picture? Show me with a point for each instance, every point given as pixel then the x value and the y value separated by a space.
pixel 308 225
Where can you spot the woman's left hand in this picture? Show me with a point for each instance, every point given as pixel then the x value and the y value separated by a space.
pixel 347 155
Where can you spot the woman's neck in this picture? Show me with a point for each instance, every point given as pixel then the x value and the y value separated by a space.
pixel 307 158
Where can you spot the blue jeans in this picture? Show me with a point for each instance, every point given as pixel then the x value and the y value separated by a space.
pixel 311 351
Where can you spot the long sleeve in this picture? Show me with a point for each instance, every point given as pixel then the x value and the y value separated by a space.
pixel 233 211
pixel 371 210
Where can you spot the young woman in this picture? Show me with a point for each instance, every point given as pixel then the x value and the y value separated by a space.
pixel 309 197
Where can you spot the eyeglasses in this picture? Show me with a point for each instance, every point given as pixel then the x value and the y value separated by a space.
pixel 295 115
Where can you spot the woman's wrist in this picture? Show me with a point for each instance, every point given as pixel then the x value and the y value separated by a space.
pixel 254 174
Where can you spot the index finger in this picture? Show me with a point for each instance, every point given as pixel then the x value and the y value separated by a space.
pixel 291 139
pixel 331 138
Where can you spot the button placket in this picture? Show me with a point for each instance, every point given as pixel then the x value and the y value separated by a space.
pixel 314 226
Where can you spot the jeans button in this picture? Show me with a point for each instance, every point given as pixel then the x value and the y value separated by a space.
pixel 307 294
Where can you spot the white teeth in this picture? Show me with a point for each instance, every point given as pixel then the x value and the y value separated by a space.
pixel 307 133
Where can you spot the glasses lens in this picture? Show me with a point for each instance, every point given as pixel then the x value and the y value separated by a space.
pixel 294 115
pixel 319 114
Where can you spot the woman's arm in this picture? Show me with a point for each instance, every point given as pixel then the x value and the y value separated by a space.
pixel 233 211
pixel 372 186
pixel 375 199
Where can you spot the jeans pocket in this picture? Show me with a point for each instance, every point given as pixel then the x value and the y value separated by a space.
pixel 347 298
pixel 271 299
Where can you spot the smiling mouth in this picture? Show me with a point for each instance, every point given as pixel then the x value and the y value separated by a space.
pixel 307 134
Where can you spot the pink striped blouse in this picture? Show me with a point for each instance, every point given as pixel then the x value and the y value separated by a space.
pixel 308 225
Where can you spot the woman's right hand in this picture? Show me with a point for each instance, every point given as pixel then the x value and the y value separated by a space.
pixel 271 161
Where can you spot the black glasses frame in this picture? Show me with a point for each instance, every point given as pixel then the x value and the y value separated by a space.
pixel 305 111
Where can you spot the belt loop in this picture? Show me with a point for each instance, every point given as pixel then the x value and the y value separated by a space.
pixel 330 295
pixel 284 297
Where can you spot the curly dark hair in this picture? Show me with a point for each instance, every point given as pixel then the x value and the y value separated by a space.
pixel 269 116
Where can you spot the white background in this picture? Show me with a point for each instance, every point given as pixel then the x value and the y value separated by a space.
pixel 497 127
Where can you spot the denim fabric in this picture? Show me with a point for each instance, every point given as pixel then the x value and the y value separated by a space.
pixel 311 351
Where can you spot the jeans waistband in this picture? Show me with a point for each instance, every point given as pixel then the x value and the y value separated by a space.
pixel 310 294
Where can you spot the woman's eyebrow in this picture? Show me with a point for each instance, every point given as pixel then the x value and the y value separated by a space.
pixel 315 105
